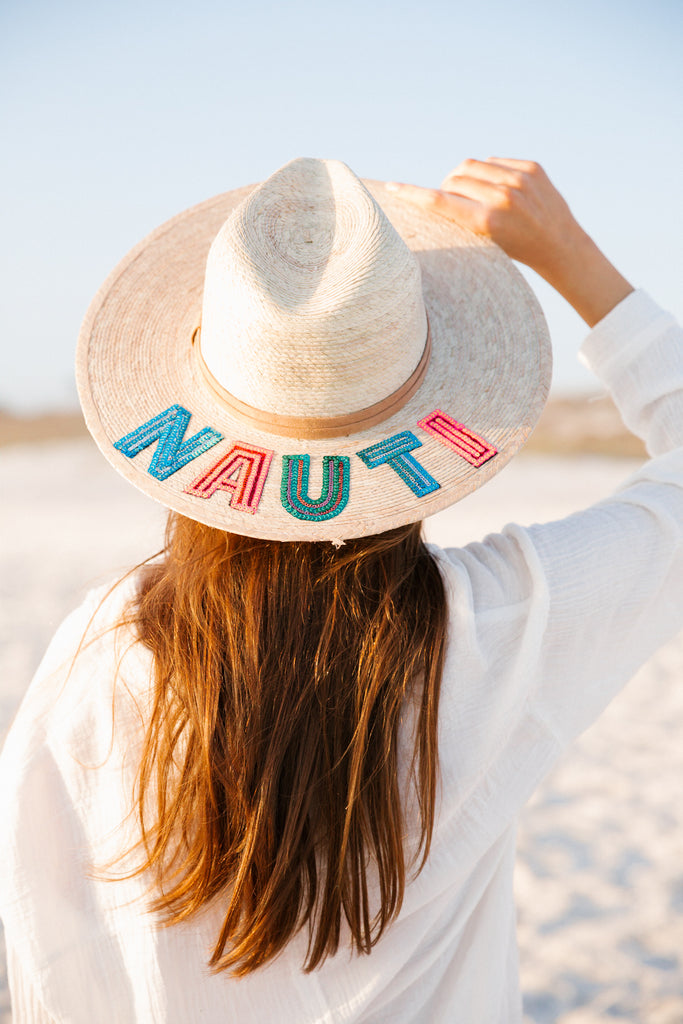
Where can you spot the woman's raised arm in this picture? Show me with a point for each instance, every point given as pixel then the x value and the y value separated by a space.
pixel 514 203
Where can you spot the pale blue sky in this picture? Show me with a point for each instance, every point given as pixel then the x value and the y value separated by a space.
pixel 114 117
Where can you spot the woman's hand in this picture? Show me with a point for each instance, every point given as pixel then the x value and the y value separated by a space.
pixel 514 203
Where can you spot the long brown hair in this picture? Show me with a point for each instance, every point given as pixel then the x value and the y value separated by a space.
pixel 269 775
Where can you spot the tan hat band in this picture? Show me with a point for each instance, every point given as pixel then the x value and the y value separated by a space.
pixel 316 427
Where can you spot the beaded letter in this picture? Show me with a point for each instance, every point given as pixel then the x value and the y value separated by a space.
pixel 172 453
pixel 458 437
pixel 294 487
pixel 243 471
pixel 395 452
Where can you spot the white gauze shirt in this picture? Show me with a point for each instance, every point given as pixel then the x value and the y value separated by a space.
pixel 546 624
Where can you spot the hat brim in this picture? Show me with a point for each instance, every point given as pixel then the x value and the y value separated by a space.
pixel 489 370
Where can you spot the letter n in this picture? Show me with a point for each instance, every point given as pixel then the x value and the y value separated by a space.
pixel 242 472
pixel 461 439
pixel 172 451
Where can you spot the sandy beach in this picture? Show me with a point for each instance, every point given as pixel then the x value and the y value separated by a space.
pixel 600 868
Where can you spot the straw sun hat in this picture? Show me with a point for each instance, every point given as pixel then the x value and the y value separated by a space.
pixel 312 358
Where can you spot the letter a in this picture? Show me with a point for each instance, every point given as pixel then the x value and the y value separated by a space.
pixel 172 452
pixel 242 472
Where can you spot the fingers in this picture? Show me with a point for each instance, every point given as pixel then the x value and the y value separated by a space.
pixel 512 202
pixel 526 166
pixel 509 201
pixel 460 208
pixel 491 193
pixel 507 172
pixel 481 170
pixel 427 198
pixel 487 181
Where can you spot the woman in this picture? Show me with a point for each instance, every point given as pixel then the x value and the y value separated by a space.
pixel 301 739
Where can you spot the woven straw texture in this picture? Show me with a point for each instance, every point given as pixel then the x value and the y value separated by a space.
pixel 286 282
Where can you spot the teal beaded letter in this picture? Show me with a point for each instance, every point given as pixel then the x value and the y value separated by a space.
pixel 172 452
pixel 395 452
pixel 294 487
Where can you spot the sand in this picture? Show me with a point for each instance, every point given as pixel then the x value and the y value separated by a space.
pixel 600 868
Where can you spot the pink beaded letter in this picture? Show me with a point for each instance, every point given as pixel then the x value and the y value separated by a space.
pixel 455 435
pixel 243 471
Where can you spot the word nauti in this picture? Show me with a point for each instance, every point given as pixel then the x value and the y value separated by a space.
pixel 242 471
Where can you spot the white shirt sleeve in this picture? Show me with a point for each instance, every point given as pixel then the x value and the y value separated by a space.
pixel 599 591
pixel 26 1006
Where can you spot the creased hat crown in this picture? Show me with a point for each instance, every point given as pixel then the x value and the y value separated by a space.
pixel 312 301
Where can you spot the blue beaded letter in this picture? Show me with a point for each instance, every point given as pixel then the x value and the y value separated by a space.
pixel 172 452
pixel 294 488
pixel 395 452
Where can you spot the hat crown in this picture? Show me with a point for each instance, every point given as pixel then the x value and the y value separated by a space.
pixel 312 301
